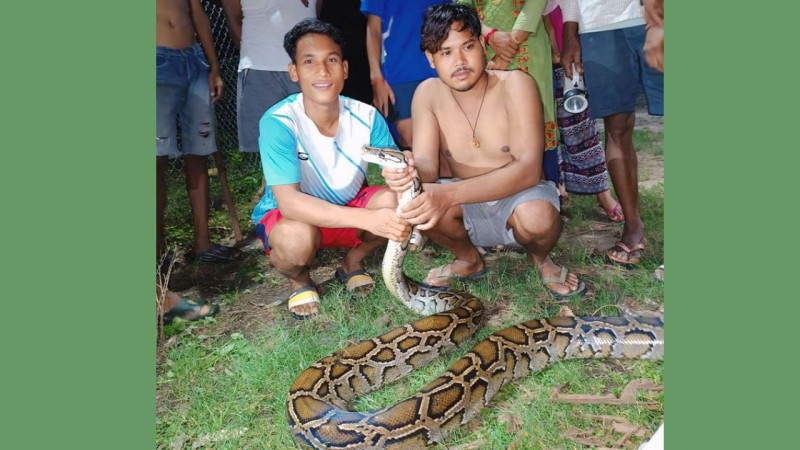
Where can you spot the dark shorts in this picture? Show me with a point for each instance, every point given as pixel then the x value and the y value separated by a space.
pixel 615 71
pixel 183 96
pixel 331 237
pixel 256 92
pixel 403 94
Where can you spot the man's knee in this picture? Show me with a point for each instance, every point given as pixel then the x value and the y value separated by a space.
pixel 293 242
pixel 452 218
pixel 383 198
pixel 536 218
pixel 620 125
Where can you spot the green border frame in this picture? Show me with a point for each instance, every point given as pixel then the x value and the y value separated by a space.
pixel 731 267
pixel 78 182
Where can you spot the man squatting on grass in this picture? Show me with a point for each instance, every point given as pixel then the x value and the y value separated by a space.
pixel 312 164
pixel 489 127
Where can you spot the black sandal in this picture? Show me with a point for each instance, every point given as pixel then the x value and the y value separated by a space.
pixel 187 309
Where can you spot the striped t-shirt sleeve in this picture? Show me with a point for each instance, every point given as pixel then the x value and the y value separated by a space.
pixel 278 147
pixel 379 135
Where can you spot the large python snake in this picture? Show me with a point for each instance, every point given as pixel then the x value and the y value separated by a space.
pixel 317 404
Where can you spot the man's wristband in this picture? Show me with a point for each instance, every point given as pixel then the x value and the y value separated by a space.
pixel 489 35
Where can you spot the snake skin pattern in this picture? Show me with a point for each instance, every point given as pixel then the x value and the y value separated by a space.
pixel 318 402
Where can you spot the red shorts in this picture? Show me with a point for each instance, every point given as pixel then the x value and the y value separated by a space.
pixel 331 237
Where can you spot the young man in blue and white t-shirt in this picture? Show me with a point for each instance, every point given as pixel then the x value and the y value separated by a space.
pixel 310 145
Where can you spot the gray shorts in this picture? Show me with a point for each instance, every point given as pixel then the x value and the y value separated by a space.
pixel 183 96
pixel 487 223
pixel 256 92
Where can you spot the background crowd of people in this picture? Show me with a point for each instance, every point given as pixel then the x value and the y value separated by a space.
pixel 385 62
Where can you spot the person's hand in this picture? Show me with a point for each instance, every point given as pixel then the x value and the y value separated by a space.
pixel 382 95
pixel 571 54
pixel 654 47
pixel 215 85
pixel 497 63
pixel 503 45
pixel 400 180
pixel 427 209
pixel 555 55
pixel 385 223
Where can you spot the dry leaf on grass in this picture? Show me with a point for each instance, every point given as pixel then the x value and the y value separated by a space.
pixel 220 435
pixel 564 311
pixel 583 437
pixel 382 321
pixel 520 439
pixel 619 425
pixel 177 443
pixel 475 445
pixel 627 397
pixel 604 435
pixel 513 423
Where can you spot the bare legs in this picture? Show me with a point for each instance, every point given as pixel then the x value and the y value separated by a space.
pixel 293 245
pixel 197 186
pixel 536 226
pixel 623 166
pixel 404 130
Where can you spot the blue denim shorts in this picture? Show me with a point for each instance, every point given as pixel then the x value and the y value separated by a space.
pixel 183 95
pixel 403 93
pixel 615 71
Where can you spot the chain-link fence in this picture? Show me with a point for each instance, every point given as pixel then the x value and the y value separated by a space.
pixel 226 131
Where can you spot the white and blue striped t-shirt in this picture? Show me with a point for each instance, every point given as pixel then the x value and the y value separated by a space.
pixel 294 151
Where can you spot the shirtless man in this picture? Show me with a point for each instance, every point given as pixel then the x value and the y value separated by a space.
pixel 187 83
pixel 489 127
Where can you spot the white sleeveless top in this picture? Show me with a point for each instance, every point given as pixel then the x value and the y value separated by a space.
pixel 264 24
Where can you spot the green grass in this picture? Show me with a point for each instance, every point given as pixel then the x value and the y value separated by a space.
pixel 244 179
pixel 225 386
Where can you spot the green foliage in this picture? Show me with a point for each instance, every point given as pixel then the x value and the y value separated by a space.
pixel 244 179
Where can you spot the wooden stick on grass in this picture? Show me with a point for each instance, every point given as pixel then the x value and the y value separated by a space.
pixel 226 193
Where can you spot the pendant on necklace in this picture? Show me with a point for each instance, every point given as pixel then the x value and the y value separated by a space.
pixel 475 142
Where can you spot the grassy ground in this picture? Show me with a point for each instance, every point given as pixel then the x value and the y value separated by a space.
pixel 222 383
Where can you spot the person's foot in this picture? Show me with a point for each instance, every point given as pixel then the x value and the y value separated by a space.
pixel 612 208
pixel 615 214
pixel 357 282
pixel 215 253
pixel 304 301
pixel 628 250
pixel 176 307
pixel 658 275
pixel 456 269
pixel 559 281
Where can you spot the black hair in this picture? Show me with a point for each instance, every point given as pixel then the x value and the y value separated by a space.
pixel 311 26
pixel 439 18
